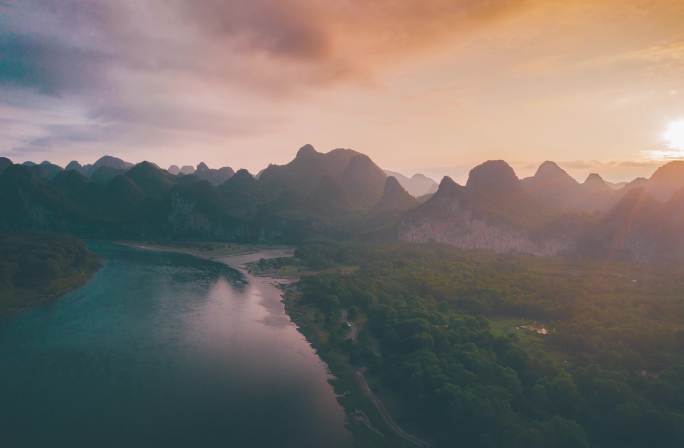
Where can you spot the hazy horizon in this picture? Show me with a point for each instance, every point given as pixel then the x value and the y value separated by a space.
pixel 609 171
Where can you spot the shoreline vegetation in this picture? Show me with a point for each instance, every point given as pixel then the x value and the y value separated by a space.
pixel 503 350
pixel 429 344
pixel 367 416
pixel 38 267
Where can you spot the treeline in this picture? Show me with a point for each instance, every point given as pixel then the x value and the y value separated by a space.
pixel 37 266
pixel 609 374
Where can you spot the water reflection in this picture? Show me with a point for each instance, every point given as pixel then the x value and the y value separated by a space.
pixel 164 349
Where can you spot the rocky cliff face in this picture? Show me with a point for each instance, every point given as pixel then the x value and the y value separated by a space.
pixel 491 212
pixel 468 232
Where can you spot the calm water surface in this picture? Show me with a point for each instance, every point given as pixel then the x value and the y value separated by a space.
pixel 164 350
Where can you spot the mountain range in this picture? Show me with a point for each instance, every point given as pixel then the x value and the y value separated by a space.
pixel 203 172
pixel 551 213
pixel 417 185
pixel 344 194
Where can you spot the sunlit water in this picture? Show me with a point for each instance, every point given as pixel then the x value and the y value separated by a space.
pixel 164 350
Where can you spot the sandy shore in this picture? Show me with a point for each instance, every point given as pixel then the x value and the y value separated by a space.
pixel 236 256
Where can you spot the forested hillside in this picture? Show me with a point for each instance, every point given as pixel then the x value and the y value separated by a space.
pixel 498 351
pixel 344 195
pixel 35 267
pixel 316 193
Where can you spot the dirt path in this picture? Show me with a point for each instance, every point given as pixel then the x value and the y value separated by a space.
pixel 384 413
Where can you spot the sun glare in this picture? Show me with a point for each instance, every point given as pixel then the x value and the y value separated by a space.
pixel 674 135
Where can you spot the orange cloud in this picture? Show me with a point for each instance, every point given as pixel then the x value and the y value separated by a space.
pixel 461 79
pixel 323 41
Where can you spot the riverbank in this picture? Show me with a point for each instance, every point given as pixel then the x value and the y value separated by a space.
pixel 166 348
pixel 207 250
pixel 36 268
pixel 368 419
pixel 253 259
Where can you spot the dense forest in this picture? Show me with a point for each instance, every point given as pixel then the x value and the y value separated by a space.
pixel 35 267
pixel 485 350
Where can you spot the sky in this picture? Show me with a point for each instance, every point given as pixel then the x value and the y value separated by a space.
pixel 432 86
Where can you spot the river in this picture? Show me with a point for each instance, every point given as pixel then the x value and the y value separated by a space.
pixel 164 349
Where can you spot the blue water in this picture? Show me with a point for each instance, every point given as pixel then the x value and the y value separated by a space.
pixel 163 350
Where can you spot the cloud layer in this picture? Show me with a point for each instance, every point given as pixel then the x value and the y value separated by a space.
pixel 163 77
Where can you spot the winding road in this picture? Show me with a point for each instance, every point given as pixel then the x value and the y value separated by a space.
pixel 384 413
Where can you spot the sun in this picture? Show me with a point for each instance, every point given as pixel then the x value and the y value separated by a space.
pixel 674 135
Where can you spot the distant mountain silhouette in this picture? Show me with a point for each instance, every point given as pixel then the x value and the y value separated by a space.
pixel 545 214
pixel 442 204
pixel 663 184
pixel 344 194
pixel 243 193
pixel 554 188
pixel 495 191
pixel 150 179
pixel 213 176
pixel 629 230
pixel 492 178
pixel 639 182
pixel 112 162
pixel 361 180
pixel 595 183
pixel 492 211
pixel 640 227
pixel 71 180
pixel 104 174
pixel 395 198
pixel 667 180
pixel 4 163
pixel 242 181
pixel 187 169
pixel 328 197
pixel 597 195
pixel 45 169
pixel 74 165
pixel 550 173
pixel 416 185
pixel 103 170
